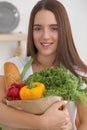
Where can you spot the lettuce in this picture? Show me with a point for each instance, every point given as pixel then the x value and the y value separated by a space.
pixel 59 82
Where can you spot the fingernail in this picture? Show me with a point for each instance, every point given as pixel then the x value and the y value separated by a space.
pixel 65 101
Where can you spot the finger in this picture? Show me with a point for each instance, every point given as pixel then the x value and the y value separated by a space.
pixel 65 106
pixel 67 126
pixel 59 105
pixel 62 105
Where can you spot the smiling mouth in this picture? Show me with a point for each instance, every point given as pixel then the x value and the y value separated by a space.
pixel 46 44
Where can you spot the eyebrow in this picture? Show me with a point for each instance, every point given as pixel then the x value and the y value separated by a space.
pixel 56 25
pixel 36 25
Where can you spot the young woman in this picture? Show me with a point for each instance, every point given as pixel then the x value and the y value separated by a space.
pixel 49 43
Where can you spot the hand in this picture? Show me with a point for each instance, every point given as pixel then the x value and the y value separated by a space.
pixel 55 117
pixel 67 126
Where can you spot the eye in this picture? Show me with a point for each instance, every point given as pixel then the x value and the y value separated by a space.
pixel 54 28
pixel 37 28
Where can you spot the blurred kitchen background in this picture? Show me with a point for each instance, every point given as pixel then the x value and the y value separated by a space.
pixel 13 39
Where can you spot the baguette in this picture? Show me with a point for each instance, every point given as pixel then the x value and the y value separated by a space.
pixel 12 74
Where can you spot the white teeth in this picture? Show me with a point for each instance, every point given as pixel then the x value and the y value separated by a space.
pixel 46 44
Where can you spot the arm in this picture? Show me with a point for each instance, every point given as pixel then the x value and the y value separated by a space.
pixel 68 125
pixel 82 113
pixel 15 118
pixel 20 119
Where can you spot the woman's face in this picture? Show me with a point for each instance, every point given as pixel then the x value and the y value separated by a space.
pixel 45 33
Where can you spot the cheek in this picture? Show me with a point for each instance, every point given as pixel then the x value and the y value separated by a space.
pixel 36 37
pixel 56 38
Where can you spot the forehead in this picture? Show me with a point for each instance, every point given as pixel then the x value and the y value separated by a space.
pixel 45 17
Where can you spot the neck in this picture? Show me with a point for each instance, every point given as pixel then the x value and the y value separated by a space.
pixel 45 62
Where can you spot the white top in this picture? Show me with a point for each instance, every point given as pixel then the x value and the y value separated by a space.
pixel 20 62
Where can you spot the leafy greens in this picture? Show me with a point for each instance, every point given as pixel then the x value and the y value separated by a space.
pixel 59 82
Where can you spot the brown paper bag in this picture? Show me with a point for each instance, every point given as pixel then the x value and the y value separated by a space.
pixel 34 106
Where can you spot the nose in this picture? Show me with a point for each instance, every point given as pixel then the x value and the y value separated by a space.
pixel 46 34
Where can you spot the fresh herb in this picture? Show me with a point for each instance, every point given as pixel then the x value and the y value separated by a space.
pixel 59 82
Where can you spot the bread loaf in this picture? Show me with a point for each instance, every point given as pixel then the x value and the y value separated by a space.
pixel 12 74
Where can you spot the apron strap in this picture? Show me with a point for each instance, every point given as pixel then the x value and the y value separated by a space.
pixel 26 67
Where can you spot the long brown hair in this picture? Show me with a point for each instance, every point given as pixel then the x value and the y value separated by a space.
pixel 67 53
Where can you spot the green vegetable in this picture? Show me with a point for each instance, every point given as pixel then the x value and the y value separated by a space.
pixel 59 82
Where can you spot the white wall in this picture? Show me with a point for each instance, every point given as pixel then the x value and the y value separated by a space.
pixel 78 17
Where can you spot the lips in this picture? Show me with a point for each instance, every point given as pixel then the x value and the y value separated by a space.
pixel 46 44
